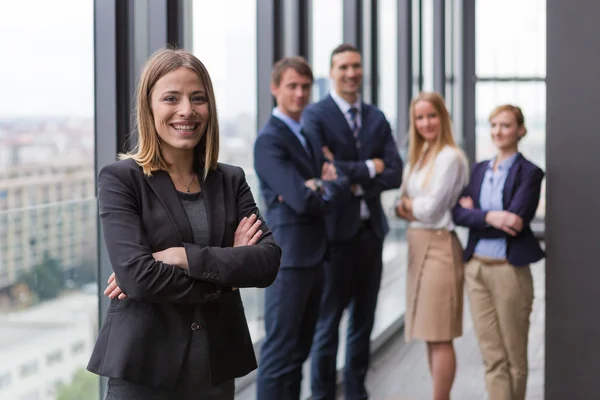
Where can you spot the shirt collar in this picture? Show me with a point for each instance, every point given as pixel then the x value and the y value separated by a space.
pixel 505 164
pixel 343 104
pixel 294 125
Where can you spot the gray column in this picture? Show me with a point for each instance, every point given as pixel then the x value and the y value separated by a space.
pixel 352 26
pixel 294 14
pixel 572 222
pixel 468 78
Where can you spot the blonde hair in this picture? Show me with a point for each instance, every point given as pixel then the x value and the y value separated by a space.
pixel 147 153
pixel 516 111
pixel 417 144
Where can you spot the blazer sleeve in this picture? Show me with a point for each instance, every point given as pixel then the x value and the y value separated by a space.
pixel 524 203
pixel 274 167
pixel 527 196
pixel 138 273
pixel 472 218
pixel 243 266
pixel 391 177
pixel 356 171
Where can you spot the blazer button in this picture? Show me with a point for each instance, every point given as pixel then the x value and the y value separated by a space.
pixel 195 326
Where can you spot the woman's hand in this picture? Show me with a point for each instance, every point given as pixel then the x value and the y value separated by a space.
pixel 112 290
pixel 466 202
pixel 402 211
pixel 406 204
pixel 247 232
pixel 505 221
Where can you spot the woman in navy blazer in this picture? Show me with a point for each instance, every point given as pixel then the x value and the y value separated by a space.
pixel 182 232
pixel 497 206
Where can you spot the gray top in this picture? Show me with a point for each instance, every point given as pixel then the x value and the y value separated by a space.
pixel 194 381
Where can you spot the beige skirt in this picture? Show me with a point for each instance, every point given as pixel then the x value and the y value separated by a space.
pixel 434 286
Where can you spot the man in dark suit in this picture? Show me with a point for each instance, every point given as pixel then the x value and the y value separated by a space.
pixel 357 137
pixel 298 187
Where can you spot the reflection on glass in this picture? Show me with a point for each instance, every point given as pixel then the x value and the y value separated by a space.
pixel 427 37
pixel 229 52
pixel 531 97
pixel 510 38
pixel 48 240
pixel 327 34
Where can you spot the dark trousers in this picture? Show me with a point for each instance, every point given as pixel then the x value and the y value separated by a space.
pixel 291 308
pixel 352 279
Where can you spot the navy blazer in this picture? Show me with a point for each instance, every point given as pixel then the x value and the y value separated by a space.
pixel 283 165
pixel 326 123
pixel 521 196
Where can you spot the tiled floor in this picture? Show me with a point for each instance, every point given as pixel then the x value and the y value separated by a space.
pixel 399 371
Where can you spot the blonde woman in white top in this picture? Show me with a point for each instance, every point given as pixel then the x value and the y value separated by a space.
pixel 436 174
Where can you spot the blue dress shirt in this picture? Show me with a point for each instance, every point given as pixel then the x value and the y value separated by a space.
pixel 490 199
pixel 294 126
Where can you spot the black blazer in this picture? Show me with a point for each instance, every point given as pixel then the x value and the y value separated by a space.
pixel 145 338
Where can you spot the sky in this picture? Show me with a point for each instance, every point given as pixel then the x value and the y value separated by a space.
pixel 47 52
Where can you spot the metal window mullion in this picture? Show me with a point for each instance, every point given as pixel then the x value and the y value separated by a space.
pixel 405 68
pixel 439 46
pixel 468 77
pixel 268 32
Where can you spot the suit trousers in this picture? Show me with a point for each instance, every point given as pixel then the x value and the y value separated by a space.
pixel 291 308
pixel 501 298
pixel 352 279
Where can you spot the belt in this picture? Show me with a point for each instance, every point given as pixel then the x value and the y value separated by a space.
pixel 490 261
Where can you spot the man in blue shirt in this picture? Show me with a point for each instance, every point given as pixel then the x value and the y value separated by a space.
pixel 298 187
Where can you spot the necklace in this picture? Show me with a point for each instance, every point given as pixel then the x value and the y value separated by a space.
pixel 187 187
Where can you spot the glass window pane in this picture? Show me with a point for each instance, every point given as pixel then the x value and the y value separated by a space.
pixel 531 97
pixel 416 47
pixel 229 52
pixel 48 240
pixel 327 34
pixel 391 296
pixel 388 60
pixel 511 38
pixel 427 36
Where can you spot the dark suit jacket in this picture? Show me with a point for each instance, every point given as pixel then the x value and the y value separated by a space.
pixel 327 125
pixel 282 166
pixel 521 195
pixel 145 338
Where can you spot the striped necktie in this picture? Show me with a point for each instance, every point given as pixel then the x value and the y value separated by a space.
pixel 353 111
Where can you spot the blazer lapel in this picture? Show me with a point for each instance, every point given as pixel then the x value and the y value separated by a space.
pixel 212 189
pixel 340 120
pixel 316 156
pixel 161 184
pixel 511 180
pixel 295 144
